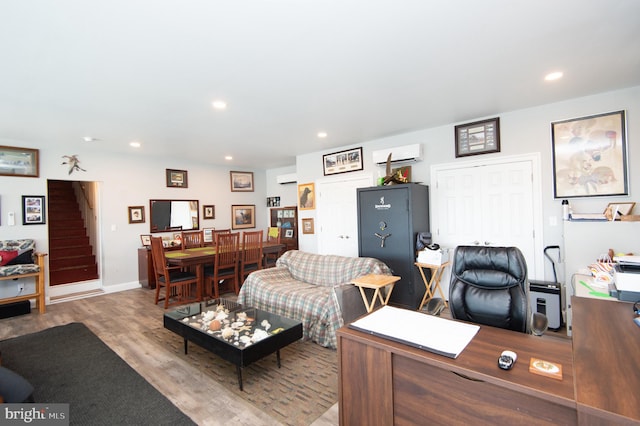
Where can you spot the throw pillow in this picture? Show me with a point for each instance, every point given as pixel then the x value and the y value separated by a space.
pixel 24 258
pixel 7 256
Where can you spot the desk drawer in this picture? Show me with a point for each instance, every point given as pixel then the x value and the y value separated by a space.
pixel 430 395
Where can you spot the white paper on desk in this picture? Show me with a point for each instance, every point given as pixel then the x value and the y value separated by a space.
pixel 427 332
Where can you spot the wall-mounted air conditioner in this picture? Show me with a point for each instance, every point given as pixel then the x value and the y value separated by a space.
pixel 288 178
pixel 399 154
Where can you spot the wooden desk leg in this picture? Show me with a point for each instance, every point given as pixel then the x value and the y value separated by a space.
pixel 427 294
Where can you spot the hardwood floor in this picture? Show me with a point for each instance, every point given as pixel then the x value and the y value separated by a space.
pixel 121 320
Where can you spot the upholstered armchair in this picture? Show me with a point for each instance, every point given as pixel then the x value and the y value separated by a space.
pixel 489 286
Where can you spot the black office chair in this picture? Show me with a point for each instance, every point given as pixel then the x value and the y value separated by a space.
pixel 489 286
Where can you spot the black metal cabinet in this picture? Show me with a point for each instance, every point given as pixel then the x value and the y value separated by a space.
pixel 389 219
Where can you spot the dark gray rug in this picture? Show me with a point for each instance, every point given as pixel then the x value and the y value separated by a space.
pixel 70 364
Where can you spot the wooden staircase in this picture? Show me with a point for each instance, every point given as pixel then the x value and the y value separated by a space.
pixel 71 257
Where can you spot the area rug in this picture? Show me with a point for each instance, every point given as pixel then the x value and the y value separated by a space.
pixel 70 364
pixel 299 392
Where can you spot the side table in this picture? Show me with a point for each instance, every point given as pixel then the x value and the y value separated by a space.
pixel 436 276
pixel 375 282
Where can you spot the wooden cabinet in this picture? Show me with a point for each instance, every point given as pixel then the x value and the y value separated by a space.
pixel 286 218
pixel 146 277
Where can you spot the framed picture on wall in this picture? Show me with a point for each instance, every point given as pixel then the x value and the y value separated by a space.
pixel 480 137
pixel 33 210
pixel 590 156
pixel 177 179
pixel 241 181
pixel 306 196
pixel 208 212
pixel 19 161
pixel 342 162
pixel 136 214
pixel 307 226
pixel 243 216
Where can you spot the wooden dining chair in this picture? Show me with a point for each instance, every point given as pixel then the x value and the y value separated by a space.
pixel 179 285
pixel 273 236
pixel 251 253
pixel 216 232
pixel 191 239
pixel 225 264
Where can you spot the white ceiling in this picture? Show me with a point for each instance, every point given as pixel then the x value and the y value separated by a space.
pixel 148 70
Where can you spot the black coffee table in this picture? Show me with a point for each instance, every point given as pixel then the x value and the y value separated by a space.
pixel 193 324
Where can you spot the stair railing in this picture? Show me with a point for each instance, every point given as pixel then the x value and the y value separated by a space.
pixel 85 193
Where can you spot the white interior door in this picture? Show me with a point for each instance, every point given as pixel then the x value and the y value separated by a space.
pixel 493 205
pixel 337 210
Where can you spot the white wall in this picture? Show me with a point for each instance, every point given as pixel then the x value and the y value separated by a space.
pixel 133 179
pixel 125 180
pixel 522 131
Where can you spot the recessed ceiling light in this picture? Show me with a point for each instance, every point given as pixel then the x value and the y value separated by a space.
pixel 219 105
pixel 228 157
pixel 556 75
pixel 322 135
pixel 135 144
pixel 90 139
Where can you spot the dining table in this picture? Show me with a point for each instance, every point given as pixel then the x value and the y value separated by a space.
pixel 198 257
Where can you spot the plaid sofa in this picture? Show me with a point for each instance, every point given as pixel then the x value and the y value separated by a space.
pixel 312 288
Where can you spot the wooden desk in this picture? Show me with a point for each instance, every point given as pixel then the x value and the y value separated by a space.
pixel 606 347
pixel 201 256
pixel 382 382
pixel 436 276
pixel 376 282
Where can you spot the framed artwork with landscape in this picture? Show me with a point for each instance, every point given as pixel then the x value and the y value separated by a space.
pixel 16 161
pixel 177 179
pixel 590 156
pixel 241 181
pixel 243 216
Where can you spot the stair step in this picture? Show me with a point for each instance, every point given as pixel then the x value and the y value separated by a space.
pixel 71 275
pixel 71 257
pixel 68 241
pixel 56 253
pixel 55 233
pixel 71 261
